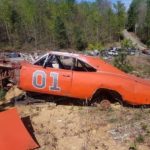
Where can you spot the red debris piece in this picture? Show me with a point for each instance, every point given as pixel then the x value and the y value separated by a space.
pixel 13 134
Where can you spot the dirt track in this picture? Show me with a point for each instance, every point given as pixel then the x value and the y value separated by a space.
pixel 136 41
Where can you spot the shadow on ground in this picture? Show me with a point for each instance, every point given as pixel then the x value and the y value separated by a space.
pixel 27 123
pixel 59 100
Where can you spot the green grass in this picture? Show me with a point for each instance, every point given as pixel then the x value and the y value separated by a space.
pixel 140 139
pixel 2 94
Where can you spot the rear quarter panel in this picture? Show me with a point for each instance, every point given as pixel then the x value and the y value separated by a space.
pixel 142 92
pixel 85 84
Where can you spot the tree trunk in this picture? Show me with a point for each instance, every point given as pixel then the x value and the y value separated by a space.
pixel 8 35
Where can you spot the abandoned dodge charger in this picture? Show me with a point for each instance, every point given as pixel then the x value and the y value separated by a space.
pixel 83 77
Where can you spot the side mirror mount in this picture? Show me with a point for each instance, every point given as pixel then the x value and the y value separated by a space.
pixel 44 66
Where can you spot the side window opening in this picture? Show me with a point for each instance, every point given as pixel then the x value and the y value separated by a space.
pixel 41 61
pixel 60 62
pixel 67 62
pixel 64 62
pixel 51 62
pixel 82 66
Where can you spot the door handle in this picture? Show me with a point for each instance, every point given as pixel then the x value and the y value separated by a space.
pixel 65 75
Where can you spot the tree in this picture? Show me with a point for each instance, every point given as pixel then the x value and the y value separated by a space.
pixel 5 21
pixel 120 16
pixel 60 33
pixel 147 20
pixel 134 14
pixel 139 19
pixel 121 60
pixel 59 23
pixel 80 43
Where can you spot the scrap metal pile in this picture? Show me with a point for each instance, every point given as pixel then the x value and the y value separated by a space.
pixel 9 63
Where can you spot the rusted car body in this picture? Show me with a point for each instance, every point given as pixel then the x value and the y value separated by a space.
pixel 83 77
pixel 10 63
pixel 8 71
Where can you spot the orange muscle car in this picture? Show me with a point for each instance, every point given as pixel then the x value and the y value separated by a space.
pixel 83 77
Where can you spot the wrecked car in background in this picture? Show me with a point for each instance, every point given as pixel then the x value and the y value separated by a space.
pixel 83 77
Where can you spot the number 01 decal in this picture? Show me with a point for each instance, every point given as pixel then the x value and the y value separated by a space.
pixel 42 83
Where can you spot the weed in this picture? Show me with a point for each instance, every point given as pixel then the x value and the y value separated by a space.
pixel 144 127
pixel 2 94
pixel 148 132
pixel 113 120
pixel 133 146
pixel 138 116
pixel 121 60
pixel 110 110
pixel 140 138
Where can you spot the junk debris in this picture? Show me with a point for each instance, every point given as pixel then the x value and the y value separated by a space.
pixel 14 135
pixel 10 62
pixel 13 93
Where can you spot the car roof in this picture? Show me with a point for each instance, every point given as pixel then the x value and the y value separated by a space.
pixel 74 55
pixel 85 58
pixel 95 62
pixel 82 57
pixel 65 54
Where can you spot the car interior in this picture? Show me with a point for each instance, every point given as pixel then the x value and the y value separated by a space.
pixel 64 62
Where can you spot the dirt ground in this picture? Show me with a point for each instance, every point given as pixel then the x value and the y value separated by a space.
pixel 135 39
pixel 65 127
pixel 141 65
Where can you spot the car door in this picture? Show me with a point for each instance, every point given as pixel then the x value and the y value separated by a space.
pixel 84 81
pixel 58 81
pixel 47 79
pixel 59 70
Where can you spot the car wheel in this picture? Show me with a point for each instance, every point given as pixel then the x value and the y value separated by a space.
pixel 104 104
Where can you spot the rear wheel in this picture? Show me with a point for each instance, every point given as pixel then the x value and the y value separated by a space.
pixel 104 104
pixel 103 98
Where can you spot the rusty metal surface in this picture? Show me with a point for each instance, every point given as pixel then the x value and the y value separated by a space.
pixel 9 64
pixel 7 71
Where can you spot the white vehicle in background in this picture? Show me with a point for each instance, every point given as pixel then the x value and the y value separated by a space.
pixel 113 53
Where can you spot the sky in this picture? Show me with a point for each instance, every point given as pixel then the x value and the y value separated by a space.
pixel 126 2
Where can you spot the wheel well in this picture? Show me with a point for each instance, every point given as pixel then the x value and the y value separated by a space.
pixel 111 95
